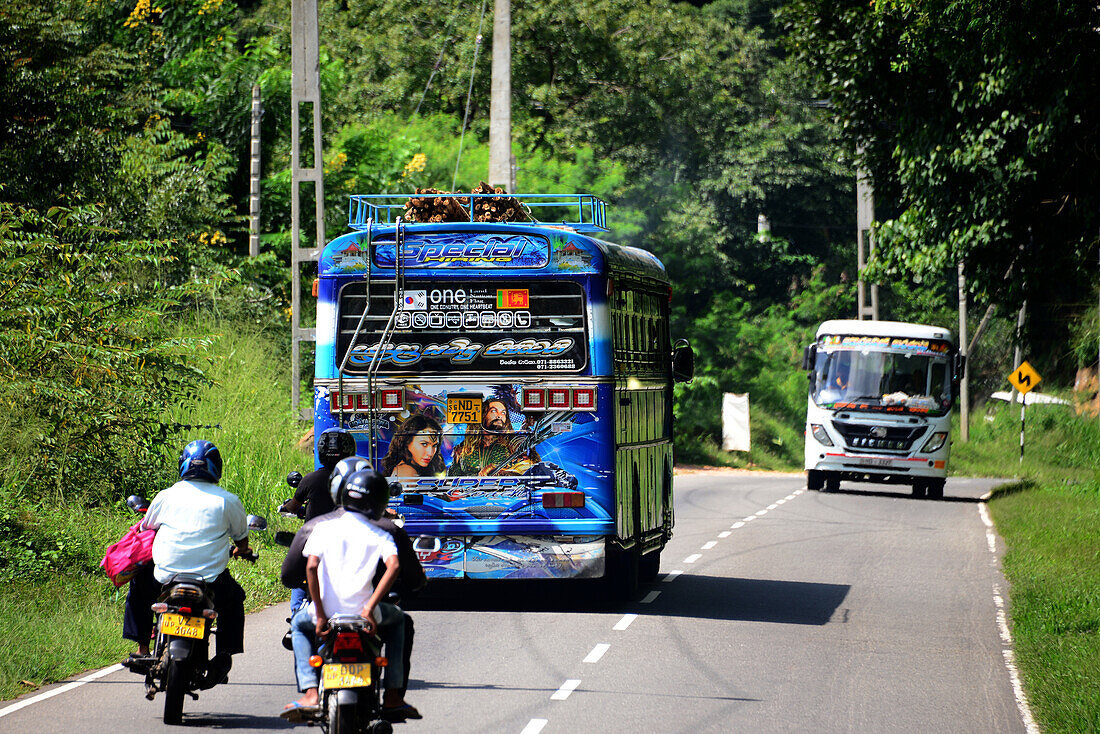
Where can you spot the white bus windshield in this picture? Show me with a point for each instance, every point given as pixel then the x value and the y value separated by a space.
pixel 903 379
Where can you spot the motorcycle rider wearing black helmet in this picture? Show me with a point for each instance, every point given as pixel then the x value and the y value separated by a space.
pixel 410 581
pixel 199 526
pixel 342 555
pixel 313 492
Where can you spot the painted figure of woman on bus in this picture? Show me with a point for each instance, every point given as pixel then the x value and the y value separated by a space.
pixel 414 450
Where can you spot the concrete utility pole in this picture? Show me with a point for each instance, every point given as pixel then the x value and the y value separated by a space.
pixel 254 176
pixel 865 214
pixel 964 395
pixel 305 89
pixel 501 171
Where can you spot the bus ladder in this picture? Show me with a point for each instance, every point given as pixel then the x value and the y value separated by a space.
pixel 373 411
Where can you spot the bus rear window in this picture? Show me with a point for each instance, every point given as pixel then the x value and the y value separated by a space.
pixel 462 326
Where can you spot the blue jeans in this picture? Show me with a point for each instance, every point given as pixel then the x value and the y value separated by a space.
pixel 298 597
pixel 304 638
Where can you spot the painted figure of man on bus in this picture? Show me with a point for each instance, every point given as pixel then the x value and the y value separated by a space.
pixel 493 447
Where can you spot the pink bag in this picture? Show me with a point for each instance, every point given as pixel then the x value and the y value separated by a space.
pixel 126 557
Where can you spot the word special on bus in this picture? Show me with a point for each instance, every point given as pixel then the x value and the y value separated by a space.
pixel 879 407
pixel 515 378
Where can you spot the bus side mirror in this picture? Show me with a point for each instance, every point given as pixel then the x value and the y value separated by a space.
pixel 960 366
pixel 809 356
pixel 683 361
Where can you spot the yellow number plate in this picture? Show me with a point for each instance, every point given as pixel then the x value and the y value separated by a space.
pixel 346 675
pixel 463 410
pixel 180 626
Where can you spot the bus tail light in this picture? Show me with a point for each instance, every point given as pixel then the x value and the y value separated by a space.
pixel 554 500
pixel 557 398
pixel 584 398
pixel 391 399
pixel 534 398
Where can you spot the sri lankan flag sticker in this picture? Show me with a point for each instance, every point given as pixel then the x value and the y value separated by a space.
pixel 513 298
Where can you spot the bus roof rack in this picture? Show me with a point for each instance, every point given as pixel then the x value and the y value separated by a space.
pixel 585 210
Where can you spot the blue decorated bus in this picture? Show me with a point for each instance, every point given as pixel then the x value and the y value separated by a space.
pixel 515 377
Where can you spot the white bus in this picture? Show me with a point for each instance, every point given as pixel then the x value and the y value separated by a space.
pixel 879 406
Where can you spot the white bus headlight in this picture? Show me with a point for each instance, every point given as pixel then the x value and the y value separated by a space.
pixel 935 443
pixel 820 435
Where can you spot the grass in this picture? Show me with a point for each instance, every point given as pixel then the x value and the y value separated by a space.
pixel 1050 521
pixel 56 626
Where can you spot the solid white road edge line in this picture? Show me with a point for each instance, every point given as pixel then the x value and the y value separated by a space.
pixel 1006 635
pixel 566 688
pixel 597 653
pixel 60 689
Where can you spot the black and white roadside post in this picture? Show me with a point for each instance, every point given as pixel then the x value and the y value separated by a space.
pixel 1024 378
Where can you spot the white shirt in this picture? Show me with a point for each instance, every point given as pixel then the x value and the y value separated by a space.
pixel 196 524
pixel 349 547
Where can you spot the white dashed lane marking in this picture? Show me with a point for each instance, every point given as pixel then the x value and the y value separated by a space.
pixel 597 653
pixel 566 688
pixel 623 623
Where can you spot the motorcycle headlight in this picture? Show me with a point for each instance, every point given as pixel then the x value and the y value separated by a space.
pixel 935 443
pixel 820 435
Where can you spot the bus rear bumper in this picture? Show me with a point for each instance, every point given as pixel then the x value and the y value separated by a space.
pixel 511 556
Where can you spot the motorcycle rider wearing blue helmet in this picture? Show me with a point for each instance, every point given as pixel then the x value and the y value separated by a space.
pixel 199 526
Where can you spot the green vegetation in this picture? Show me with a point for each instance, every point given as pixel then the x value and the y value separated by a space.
pixel 50 578
pixel 130 319
pixel 1050 521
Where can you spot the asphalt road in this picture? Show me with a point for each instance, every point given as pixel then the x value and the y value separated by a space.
pixel 778 610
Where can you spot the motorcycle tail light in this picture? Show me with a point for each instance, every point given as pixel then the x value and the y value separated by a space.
pixel 347 642
pixel 555 500
pixel 557 398
pixel 185 592
pixel 584 398
pixel 315 661
pixel 159 607
pixel 185 610
pixel 381 662
pixel 534 398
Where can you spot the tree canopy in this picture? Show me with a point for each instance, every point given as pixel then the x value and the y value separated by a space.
pixel 979 123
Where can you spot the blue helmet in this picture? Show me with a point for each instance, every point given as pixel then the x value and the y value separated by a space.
pixel 201 460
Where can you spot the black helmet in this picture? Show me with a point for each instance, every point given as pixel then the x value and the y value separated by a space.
pixel 343 468
pixel 334 444
pixel 201 460
pixel 366 492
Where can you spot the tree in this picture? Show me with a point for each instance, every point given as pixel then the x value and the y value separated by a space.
pixel 980 125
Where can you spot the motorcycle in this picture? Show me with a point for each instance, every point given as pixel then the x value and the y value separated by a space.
pixel 350 689
pixel 180 662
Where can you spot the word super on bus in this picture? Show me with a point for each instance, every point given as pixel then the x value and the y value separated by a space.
pixel 879 407
pixel 515 378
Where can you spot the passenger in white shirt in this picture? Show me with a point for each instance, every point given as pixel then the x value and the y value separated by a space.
pixel 199 526
pixel 342 557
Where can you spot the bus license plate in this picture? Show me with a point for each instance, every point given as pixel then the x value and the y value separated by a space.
pixel 874 462
pixel 181 626
pixel 461 409
pixel 345 675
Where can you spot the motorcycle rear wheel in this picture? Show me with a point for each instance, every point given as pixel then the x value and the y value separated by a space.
pixel 175 686
pixel 343 717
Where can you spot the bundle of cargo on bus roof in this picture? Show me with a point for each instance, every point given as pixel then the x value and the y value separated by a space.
pixel 579 212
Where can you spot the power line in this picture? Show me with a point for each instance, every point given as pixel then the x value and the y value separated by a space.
pixel 469 94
